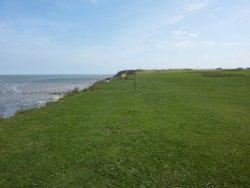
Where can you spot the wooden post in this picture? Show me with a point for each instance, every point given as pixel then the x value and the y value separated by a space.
pixel 135 82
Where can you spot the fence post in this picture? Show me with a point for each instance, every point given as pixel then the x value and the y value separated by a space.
pixel 135 82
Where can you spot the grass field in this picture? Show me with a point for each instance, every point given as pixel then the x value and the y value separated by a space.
pixel 179 129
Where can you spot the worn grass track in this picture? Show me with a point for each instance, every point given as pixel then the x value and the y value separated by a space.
pixel 180 129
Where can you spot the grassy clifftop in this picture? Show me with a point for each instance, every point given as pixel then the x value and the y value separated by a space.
pixel 180 129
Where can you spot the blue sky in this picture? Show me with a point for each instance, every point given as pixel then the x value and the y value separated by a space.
pixel 105 36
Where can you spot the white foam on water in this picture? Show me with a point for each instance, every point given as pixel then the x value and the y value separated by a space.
pixel 14 88
pixel 57 97
pixel 40 102
pixel 21 92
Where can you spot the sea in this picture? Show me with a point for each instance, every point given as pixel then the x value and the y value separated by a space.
pixel 18 92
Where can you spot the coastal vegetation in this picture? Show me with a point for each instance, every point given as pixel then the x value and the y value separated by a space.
pixel 180 128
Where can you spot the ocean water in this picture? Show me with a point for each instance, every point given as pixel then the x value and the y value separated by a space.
pixel 28 91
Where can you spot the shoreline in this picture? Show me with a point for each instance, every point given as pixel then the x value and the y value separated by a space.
pixel 55 97
pixel 119 74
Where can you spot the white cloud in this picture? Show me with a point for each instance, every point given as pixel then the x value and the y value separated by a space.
pixel 33 36
pixel 218 8
pixel 196 7
pixel 190 39
pixel 179 34
pixel 192 43
pixel 189 8
pixel 230 44
pixel 194 35
pixel 184 43
pixel 159 45
pixel 176 19
pixel 38 23
pixel 216 11
pixel 207 44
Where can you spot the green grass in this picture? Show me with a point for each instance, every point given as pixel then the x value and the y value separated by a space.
pixel 180 129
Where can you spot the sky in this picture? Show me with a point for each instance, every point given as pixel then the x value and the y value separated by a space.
pixel 105 36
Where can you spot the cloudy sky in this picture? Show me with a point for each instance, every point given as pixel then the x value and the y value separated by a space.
pixel 104 36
